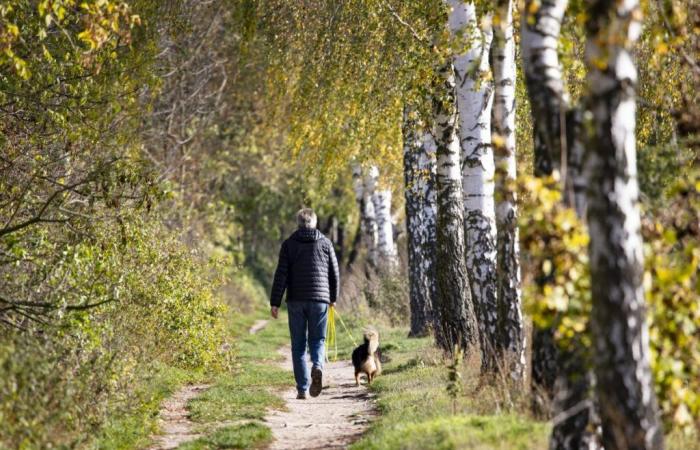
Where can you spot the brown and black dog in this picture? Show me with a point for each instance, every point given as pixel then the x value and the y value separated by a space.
pixel 366 357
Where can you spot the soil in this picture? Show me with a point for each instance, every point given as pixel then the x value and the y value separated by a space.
pixel 333 420
pixel 175 425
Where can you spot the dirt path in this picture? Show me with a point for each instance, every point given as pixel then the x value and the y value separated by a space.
pixel 175 425
pixel 332 420
pixel 174 422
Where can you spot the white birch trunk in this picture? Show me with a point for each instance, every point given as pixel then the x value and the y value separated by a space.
pixel 419 182
pixel 561 374
pixel 474 94
pixel 541 25
pixel 455 317
pixel 507 241
pixel 368 224
pixel 620 335
pixel 381 199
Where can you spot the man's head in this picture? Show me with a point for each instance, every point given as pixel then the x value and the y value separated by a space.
pixel 306 218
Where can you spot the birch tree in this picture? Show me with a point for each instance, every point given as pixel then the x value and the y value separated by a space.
pixel 386 257
pixel 455 316
pixel 474 94
pixel 419 177
pixel 620 336
pixel 561 375
pixel 368 223
pixel 508 252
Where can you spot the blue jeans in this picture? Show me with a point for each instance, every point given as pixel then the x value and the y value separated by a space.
pixel 307 319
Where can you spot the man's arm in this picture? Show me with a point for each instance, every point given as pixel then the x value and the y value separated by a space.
pixel 333 274
pixel 280 282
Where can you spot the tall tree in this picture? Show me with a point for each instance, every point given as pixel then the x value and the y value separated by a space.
pixel 455 316
pixel 508 253
pixel 562 375
pixel 474 94
pixel 419 177
pixel 387 259
pixel 368 222
pixel 621 339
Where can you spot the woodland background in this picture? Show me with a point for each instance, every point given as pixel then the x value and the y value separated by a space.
pixel 154 154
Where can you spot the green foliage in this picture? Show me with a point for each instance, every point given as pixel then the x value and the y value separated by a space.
pixel 554 245
pixel 673 293
pixel 156 305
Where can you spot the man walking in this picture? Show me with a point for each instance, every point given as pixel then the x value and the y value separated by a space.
pixel 308 270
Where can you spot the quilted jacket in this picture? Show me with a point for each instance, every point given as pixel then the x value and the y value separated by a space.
pixel 307 269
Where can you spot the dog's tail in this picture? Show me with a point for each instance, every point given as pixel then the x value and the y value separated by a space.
pixel 372 338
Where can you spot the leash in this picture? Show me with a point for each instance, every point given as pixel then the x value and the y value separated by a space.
pixel 331 339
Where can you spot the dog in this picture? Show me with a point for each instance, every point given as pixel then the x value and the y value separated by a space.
pixel 366 357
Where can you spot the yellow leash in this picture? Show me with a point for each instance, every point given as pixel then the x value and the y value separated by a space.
pixel 331 340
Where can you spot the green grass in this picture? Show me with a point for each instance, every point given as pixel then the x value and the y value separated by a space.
pixel 251 435
pixel 133 428
pixel 249 390
pixel 416 412
pixel 245 394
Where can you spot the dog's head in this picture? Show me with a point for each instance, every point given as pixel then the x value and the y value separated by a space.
pixel 372 339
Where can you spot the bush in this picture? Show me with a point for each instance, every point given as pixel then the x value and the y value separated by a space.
pixel 65 367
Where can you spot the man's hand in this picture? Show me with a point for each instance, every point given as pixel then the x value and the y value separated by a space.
pixel 274 311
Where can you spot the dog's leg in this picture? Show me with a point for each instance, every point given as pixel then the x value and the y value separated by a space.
pixel 357 378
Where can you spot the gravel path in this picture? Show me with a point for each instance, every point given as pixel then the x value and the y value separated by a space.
pixel 332 420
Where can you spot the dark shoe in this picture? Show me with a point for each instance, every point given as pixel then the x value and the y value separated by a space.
pixel 316 382
pixel 301 396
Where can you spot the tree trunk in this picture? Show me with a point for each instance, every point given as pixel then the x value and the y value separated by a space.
pixel 474 100
pixel 455 317
pixel 368 222
pixel 621 340
pixel 419 177
pixel 509 294
pixel 540 29
pixel 386 256
pixel 558 150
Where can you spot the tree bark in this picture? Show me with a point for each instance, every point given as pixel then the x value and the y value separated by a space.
pixel 474 94
pixel 455 316
pixel 419 177
pixel 386 256
pixel 557 374
pixel 621 341
pixel 368 223
pixel 541 24
pixel 511 327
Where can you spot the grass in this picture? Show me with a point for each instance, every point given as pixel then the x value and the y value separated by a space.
pixel 416 411
pixel 251 435
pixel 229 413
pixel 132 430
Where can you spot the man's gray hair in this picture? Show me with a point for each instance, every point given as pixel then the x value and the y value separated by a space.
pixel 306 218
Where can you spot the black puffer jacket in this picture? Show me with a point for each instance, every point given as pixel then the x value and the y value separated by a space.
pixel 307 269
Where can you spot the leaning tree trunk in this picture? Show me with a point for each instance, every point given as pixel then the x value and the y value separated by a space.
pixel 368 222
pixel 419 176
pixel 561 375
pixel 625 388
pixel 386 256
pixel 474 99
pixel 509 295
pixel 455 317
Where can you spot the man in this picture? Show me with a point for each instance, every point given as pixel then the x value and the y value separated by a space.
pixel 308 270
